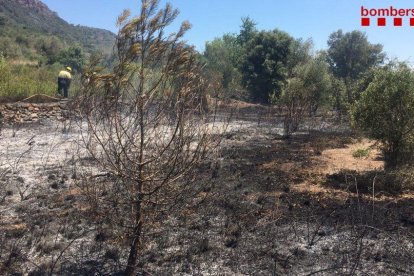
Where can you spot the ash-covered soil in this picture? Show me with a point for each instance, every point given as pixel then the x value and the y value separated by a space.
pixel 268 206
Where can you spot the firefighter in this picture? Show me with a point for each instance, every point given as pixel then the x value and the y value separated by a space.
pixel 64 80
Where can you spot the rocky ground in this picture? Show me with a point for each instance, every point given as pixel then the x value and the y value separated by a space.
pixel 270 206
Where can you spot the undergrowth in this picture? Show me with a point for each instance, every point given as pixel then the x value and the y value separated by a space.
pixel 19 81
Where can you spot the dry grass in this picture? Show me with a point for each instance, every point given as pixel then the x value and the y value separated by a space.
pixel 338 159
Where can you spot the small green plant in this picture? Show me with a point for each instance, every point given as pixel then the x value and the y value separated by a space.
pixel 361 153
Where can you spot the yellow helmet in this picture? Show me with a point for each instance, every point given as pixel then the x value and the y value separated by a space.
pixel 69 69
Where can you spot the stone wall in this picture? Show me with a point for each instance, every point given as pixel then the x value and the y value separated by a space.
pixel 31 112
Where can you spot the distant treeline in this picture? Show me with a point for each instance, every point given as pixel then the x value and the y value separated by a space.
pixel 352 76
pixel 261 65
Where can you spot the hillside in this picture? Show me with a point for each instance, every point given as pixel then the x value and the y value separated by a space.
pixel 29 30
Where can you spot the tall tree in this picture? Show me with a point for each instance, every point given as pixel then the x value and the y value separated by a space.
pixel 317 80
pixel 264 69
pixel 222 56
pixel 301 53
pixel 350 55
pixel 73 57
pixel 306 90
pixel 247 30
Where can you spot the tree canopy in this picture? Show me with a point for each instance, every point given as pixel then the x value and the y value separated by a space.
pixel 73 57
pixel 247 30
pixel 264 69
pixel 223 56
pixel 350 55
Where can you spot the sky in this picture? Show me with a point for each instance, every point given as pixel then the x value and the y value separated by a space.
pixel 210 19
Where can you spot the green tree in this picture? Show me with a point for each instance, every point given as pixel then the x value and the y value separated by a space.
pixel 247 31
pixel 49 48
pixel 339 94
pixel 222 56
pixel 300 53
pixel 386 112
pixel 306 90
pixel 73 57
pixel 264 69
pixel 316 79
pixel 350 55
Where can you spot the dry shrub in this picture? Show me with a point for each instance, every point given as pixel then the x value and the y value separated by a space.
pixel 148 127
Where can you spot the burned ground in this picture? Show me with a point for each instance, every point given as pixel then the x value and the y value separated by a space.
pixel 267 206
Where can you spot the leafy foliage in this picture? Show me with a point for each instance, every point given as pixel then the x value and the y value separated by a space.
pixel 18 81
pixel 386 112
pixel 300 53
pixel 73 57
pixel 35 42
pixel 350 55
pixel 247 31
pixel 307 89
pixel 264 70
pixel 317 81
pixel 361 153
pixel 338 91
pixel 222 56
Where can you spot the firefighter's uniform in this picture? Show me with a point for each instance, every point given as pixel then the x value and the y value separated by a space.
pixel 64 80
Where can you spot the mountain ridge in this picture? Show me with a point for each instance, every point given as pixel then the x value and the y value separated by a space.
pixel 38 6
pixel 27 27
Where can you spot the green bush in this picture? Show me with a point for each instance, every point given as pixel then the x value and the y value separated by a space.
pixel 385 112
pixel 361 153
